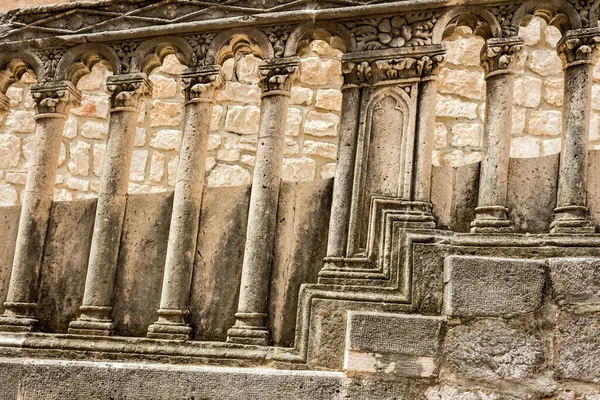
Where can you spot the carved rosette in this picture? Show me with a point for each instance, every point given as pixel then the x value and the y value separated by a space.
pixel 578 47
pixel 128 90
pixel 200 83
pixel 277 75
pixel 55 97
pixel 200 44
pixel 125 51
pixel 499 54
pixel 50 59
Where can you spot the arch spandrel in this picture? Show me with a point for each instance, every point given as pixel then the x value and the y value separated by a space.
pixel 556 12
pixel 13 65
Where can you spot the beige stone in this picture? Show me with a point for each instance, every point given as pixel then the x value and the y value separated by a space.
pixel 448 106
pixel 552 36
pixel 440 138
pixel 328 170
pixel 301 96
pixel 317 71
pixel 532 32
pixel 27 146
pixel 171 65
pixel 322 48
pixel 79 184
pixel 464 51
pixel 248 143
pixel 21 121
pixel 551 146
pixel 528 91
pixel 525 147
pixel 166 139
pixel 596 97
pixel 242 119
pixel 98 158
pixel 79 158
pixel 321 124
pixel 299 169
pixel 553 91
pixel 466 134
pixel 228 175
pixel 18 178
pixel 248 160
pixel 61 194
pixel 10 150
pixel 62 155
pixel 172 170
pixel 93 129
pixel 15 94
pixel 165 114
pixel 246 69
pixel 140 137
pixel 466 83
pixel 71 128
pixel 215 120
pixel 545 62
pixel 8 195
pixel 210 163
pixel 329 99
pixel 519 120
pixel 214 141
pixel 461 157
pixel 321 149
pixel 240 93
pixel 545 122
pixel 228 155
pixel 294 122
pixel 163 86
pixel 95 80
pixel 594 127
pixel 291 147
pixel 138 165
pixel 92 105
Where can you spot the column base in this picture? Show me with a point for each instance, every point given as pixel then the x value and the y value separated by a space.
pixel 491 219
pixel 171 325
pixel 249 329
pixel 572 220
pixel 91 327
pixel 18 317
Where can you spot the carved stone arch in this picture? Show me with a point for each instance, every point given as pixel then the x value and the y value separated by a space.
pixel 468 16
pixel 79 60
pixel 151 53
pixel 224 45
pixel 14 64
pixel 301 32
pixel 556 12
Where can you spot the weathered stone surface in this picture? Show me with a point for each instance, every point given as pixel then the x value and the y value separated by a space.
pixel 228 175
pixel 393 344
pixel 166 139
pixel 578 347
pixel 298 169
pixel 10 151
pixel 575 280
pixel 482 286
pixel 446 392
pixel 242 119
pixel 321 124
pixel 9 224
pixel 448 106
pixel 165 113
pixel 493 349
pixel 466 83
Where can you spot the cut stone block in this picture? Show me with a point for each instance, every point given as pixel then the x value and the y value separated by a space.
pixel 393 344
pixel 485 286
pixel 576 280
pixel 578 346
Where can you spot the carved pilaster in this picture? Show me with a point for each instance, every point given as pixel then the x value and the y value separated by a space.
pixel 577 47
pixel 128 90
pixel 200 84
pixel 498 55
pixel 54 97
pixel 278 75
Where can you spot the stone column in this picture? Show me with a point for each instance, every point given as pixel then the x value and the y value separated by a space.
pixel 571 214
pixel 491 214
pixel 127 92
pixel 200 85
pixel 250 327
pixel 53 100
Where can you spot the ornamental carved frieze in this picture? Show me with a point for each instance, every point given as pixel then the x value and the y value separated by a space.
pixel 55 97
pixel 577 47
pixel 200 44
pixel 50 59
pixel 398 31
pixel 498 55
pixel 200 83
pixel 583 8
pixel 278 74
pixel 278 36
pixel 125 52
pixel 127 91
pixel 504 15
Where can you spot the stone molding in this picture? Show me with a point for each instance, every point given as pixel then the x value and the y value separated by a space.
pixel 127 91
pixel 498 55
pixel 278 75
pixel 200 84
pixel 578 47
pixel 55 97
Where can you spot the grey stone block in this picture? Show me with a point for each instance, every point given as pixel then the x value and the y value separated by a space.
pixel 576 280
pixel 578 346
pixel 486 286
pixel 392 343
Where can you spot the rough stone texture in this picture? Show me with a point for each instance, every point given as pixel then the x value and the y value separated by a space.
pixel 578 347
pixel 575 280
pixel 478 286
pixel 9 224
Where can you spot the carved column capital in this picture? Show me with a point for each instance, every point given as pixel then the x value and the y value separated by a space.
pixel 200 83
pixel 578 46
pixel 277 75
pixel 498 55
pixel 55 97
pixel 127 90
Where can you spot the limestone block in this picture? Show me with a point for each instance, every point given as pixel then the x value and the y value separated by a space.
pixel 165 114
pixel 92 106
pixel 243 120
pixel 18 178
pixel 240 93
pixel 544 62
pixel 171 65
pixel 15 94
pixel 19 121
pixel 485 286
pixel 594 127
pixel 228 155
pixel 448 106
pixel 214 141
pixel 322 48
pixel 10 150
pixel 551 146
pixel 294 121
pixel 163 86
pixel 317 71
pixel 27 147
pixel 525 147
pixel 98 158
pixel 79 158
pixel 405 345
pixel 596 97
pixel 519 119
pixel 464 51
pixel 301 96
pixel 466 83
pixel 329 99
pixel 246 69
pixel 553 91
pixel 157 166
pixel 321 124
pixel 440 138
pixel 528 91
pixel 228 175
pixel 578 347
pixel 493 349
pixel 71 128
pixel 248 143
pixel 79 184
pixel 138 165
pixel 446 392
pixel 532 32
pixel 291 147
pixel 95 80
pixel 552 36
pixel 461 157
pixel 575 280
pixel 248 160
pixel 545 122
pixel 466 134
pixel 140 137
pixel 62 195
pixel 321 149
pixel 299 169
pixel 8 195
pixel 93 129
pixel 215 120
pixel 328 170
pixel 166 139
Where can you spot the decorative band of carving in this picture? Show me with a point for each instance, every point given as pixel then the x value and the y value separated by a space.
pixel 200 83
pixel 498 55
pixel 55 97
pixel 127 90
pixel 578 46
pixel 277 75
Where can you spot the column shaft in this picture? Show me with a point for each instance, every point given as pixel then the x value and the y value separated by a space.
pixel 424 140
